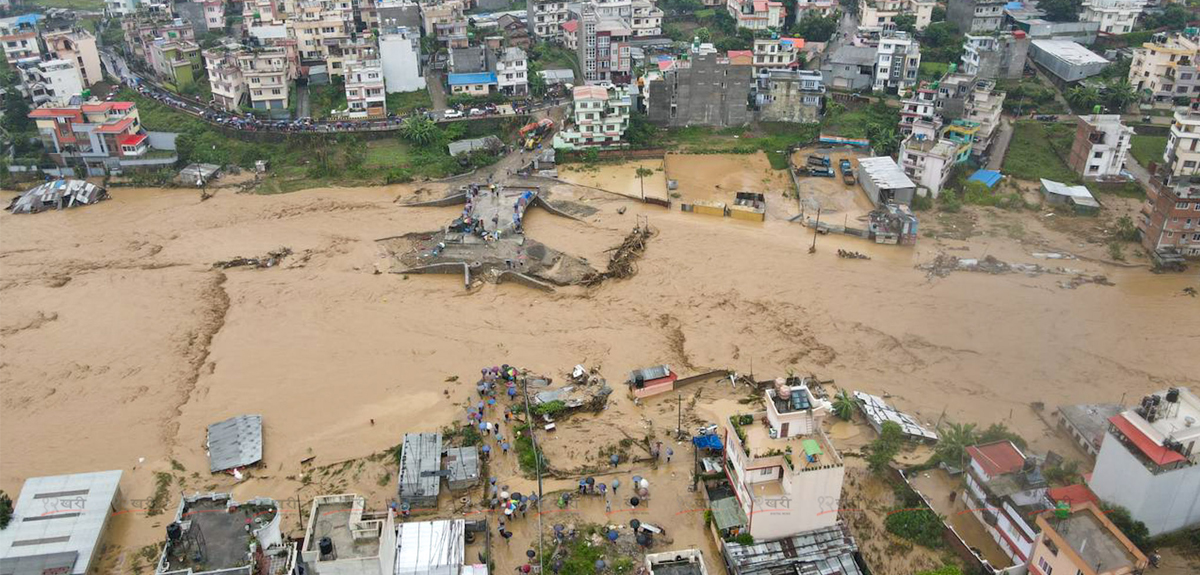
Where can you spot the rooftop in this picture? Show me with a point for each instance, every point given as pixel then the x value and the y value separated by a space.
pixel 809 451
pixel 222 532
pixel 825 551
pixel 1093 539
pixel 472 78
pixel 235 442
pixel 57 521
pixel 846 54
pixel 430 547
pixel 680 562
pixel 885 172
pixel 997 458
pixel 420 462
pixel 590 92
pixel 1070 52
pixel 1090 419
pixel 339 517
pixel 1170 419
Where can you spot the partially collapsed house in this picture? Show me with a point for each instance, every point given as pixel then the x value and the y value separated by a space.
pixel 234 443
pixel 57 195
pixel 878 412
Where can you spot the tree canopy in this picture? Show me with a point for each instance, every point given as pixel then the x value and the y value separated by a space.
pixel 815 28
pixel 1060 10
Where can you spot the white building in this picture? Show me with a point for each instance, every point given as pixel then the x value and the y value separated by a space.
pixel 78 46
pixel 120 7
pixel 19 36
pixel 358 541
pixel 225 79
pixel 1166 68
pixel 266 72
pixel 1003 491
pixel 757 14
pixel 399 51
pixel 1148 461
pixel 214 15
pixel 646 18
pixel 879 15
pixel 545 18
pixel 58 523
pixel 52 82
pixel 1101 144
pixel 512 72
pixel 600 116
pixel 928 161
pixel 786 473
pixel 777 53
pixel 897 62
pixel 365 95
pixel 1113 16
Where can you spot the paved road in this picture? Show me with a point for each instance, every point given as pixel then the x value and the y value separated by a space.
pixel 303 102
pixel 1003 137
pixel 433 83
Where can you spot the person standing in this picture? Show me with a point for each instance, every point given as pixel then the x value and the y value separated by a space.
pixel 670 452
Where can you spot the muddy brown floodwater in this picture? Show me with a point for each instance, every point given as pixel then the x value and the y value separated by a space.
pixel 121 343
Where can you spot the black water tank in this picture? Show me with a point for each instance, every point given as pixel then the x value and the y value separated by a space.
pixel 174 532
pixel 326 545
pixel 639 381
pixel 1173 395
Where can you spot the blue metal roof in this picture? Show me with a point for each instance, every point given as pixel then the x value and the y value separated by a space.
pixel 473 78
pixel 28 18
pixel 988 177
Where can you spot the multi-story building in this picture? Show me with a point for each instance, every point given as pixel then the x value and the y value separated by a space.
pixel 400 52
pixel 78 46
pixel 341 52
pixel 600 117
pixel 983 107
pixel 225 79
pixel 1148 461
pixel 545 18
pixel 268 75
pixel 880 15
pixel 784 471
pixel 1081 539
pixel 117 8
pixel 365 95
pixel 399 14
pixel 815 8
pixel 920 113
pixel 1170 218
pixel 603 47
pixel 91 132
pixel 757 14
pixel 1101 144
pixel 850 68
pixel 646 18
pixel 706 90
pixel 927 161
pixel 177 62
pixel 142 31
pixel 1005 491
pixel 1113 16
pixel 52 82
pixel 1166 68
pixel 897 62
pixel 19 36
pixel 615 8
pixel 446 21
pixel 344 537
pixel 318 25
pixel 996 56
pixel 790 96
pixel 777 53
pixel 512 72
pixel 975 16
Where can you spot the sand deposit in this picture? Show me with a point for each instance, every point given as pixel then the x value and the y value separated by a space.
pixel 121 342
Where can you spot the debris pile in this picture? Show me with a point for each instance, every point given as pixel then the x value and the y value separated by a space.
pixel 942 265
pixel 1081 279
pixel 623 263
pixel 57 195
pixel 272 259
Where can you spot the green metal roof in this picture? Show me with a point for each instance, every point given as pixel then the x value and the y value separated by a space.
pixel 811 447
pixel 727 513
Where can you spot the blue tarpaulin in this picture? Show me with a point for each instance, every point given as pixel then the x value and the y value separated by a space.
pixel 707 442
pixel 988 177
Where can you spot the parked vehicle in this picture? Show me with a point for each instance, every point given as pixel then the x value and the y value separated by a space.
pixel 847 172
pixel 815 160
pixel 816 172
pixel 477 112
pixel 451 114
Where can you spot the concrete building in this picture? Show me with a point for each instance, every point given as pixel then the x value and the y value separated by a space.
pixel 1066 60
pixel 784 472
pixel 512 72
pixel 1170 218
pixel 177 62
pixel 928 161
pixel 1026 16
pixel 343 538
pixel 365 94
pixel 461 464
pixel 998 56
pixel 777 54
pixel 982 106
pixel 1166 68
pixel 203 15
pixel 646 18
pixel 1005 490
pixel 268 77
pixel 815 8
pixel 687 95
pixel 58 522
pixel 118 8
pixel 850 68
pixel 600 116
pixel 824 551
pixel 897 62
pixel 880 15
pixel 920 113
pixel 78 46
pixel 212 534
pixel 602 46
pixel 446 21
pixel 263 10
pixel 1083 540
pixel 515 32
pixel 50 82
pixel 475 84
pixel 545 19
pixel 420 464
pixel 91 132
pixel 885 182
pixel 433 548
pixel 1113 16
pixel 975 16
pixel 400 56
pixel 757 14
pixel 791 96
pixel 318 25
pixel 1101 144
pixel 1147 462
pixel 1086 424
pixel 399 14
pixel 19 36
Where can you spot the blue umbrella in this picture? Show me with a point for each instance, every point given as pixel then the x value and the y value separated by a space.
pixel 599 564
pixel 612 535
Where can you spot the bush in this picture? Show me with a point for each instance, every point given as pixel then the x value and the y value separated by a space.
pixel 885 447
pixel 550 408
pixel 1135 530
pixel 398 176
pixel 921 526
pixel 6 509
pixel 744 539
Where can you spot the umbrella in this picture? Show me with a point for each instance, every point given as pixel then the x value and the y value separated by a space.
pixel 482 426
pixel 558 527
pixel 616 483
pixel 615 459
pixel 533 497
pixel 636 480
pixel 599 564
pixel 612 535
pixel 504 446
pixel 512 392
pixel 634 501
pixel 643 492
pixel 504 495
pixel 645 484
pixel 531 553
pixel 643 539
pixel 634 524
pixel 487 448
pixel 591 481
pixel 491 480
pixel 516 496
pixel 508 510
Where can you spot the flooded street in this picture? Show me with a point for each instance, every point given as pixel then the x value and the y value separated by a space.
pixel 121 342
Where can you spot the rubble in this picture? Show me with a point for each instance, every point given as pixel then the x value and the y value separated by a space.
pixel 58 194
pixel 270 260
pixel 942 265
pixel 623 263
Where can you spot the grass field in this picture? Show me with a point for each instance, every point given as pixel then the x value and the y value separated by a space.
pixel 1148 149
pixel 401 103
pixel 1037 151
pixel 933 70
pixel 96 5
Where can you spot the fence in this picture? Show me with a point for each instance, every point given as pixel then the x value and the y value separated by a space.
pixel 620 154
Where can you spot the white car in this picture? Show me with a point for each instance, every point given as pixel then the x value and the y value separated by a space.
pixel 450 114
pixel 477 112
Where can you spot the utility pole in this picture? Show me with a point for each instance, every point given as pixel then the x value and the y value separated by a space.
pixel 816 230
pixel 537 456
pixel 679 408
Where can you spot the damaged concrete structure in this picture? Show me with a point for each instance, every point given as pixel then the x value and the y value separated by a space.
pixel 57 195
pixel 708 90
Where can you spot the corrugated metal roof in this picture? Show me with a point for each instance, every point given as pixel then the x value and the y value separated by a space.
pixel 650 373
pixel 420 464
pixel 235 442
pixel 57 521
pixel 430 547
pixel 462 464
pixel 728 513
pixel 472 79
pixel 878 411
pixel 466 146
pixel 825 551
pixel 885 172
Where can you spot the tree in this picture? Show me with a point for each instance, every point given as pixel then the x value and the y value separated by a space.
pixel 16 112
pixel 1135 530
pixel 1083 97
pixel 885 447
pixel 953 440
pixel 843 405
pixel 537 84
pixel 815 28
pixel 938 14
pixel 641 176
pixel 1000 432
pixel 1060 10
pixel 703 34
pixel 418 130
pixel 884 138
pixel 906 22
pixel 1175 17
pixel 6 509
pixel 1119 96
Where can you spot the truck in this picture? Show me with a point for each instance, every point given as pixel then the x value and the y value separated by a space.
pixel 815 160
pixel 847 172
pixel 535 133
pixel 816 172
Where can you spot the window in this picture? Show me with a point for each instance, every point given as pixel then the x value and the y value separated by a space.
pixel 1045 566
pixel 1181 205
pixel 1098 155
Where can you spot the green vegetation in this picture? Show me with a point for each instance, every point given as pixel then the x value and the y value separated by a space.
pixel 162 482
pixel 958 190
pixel 323 100
pixel 1173 17
pixel 1028 95
pixel 933 70
pixel 95 5
pixel 1147 149
pixel 1037 151
pixel 955 438
pixel 1116 96
pixel 6 509
pixel 941 42
pixel 403 103
pixel 944 570
pixel 922 526
pixel 527 456
pixel 1135 530
pixel 550 57
pixel 815 28
pixel 885 447
pixel 579 555
pixel 843 405
pixel 550 408
pixel 1060 10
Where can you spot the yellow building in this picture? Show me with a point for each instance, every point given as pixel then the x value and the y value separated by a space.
pixel 1082 541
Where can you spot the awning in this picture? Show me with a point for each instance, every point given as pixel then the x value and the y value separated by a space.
pixel 727 513
pixel 1157 453
pixel 709 441
pixel 132 139
pixel 987 177
pixel 811 447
